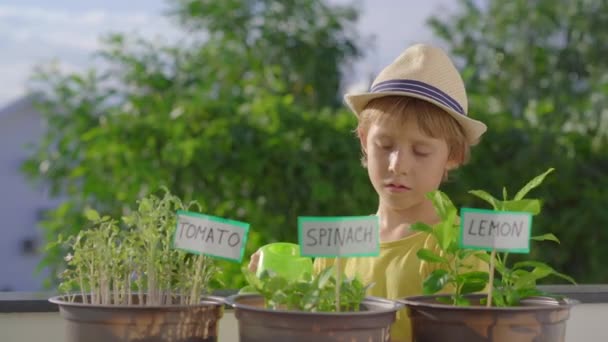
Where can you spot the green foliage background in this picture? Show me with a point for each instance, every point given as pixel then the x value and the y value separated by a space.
pixel 244 115
pixel 535 74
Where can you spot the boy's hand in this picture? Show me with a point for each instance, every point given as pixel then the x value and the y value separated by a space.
pixel 253 263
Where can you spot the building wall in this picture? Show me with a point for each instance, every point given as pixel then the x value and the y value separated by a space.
pixel 20 201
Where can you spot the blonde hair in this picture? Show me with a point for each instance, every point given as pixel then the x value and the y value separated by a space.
pixel 432 120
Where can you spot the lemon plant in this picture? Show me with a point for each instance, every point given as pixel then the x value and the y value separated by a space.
pixel 513 283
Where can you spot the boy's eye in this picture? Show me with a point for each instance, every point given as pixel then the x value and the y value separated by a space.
pixel 421 153
pixel 385 145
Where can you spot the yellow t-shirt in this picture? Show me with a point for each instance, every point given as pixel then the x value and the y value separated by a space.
pixel 396 273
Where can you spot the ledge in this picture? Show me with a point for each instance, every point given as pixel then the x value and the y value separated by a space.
pixel 26 302
pixel 586 294
pixel 38 302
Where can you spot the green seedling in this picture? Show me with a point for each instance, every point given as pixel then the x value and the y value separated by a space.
pixel 133 262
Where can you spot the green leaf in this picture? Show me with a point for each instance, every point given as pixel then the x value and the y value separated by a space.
pixel 484 257
pixel 512 298
pixel 279 297
pixel 248 289
pixel 474 281
pixel 541 270
pixel 564 276
pixel 310 299
pixel 251 278
pixel 446 231
pixel 498 297
pixel 266 275
pixel 442 203
pixel 530 263
pixel 474 275
pixel 324 276
pixel 527 279
pixel 445 300
pixel 536 181
pixel 524 293
pixel 462 301
pixel 545 237
pixel 435 281
pixel 528 205
pixel 473 286
pixel 91 215
pixel 275 284
pixel 430 256
pixel 421 227
pixel 486 197
pixel 129 220
pixel 498 265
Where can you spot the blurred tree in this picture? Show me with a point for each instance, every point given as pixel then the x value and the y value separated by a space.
pixel 240 115
pixel 310 41
pixel 537 74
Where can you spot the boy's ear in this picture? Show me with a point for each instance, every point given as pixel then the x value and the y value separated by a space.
pixel 452 165
pixel 449 166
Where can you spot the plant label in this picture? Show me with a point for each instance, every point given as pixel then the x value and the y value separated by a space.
pixel 339 236
pixel 505 231
pixel 210 235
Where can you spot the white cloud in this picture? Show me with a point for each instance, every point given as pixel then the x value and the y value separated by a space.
pixel 94 17
pixel 15 76
pixel 357 87
pixel 74 29
pixel 90 18
pixel 31 35
pixel 13 80
pixel 394 25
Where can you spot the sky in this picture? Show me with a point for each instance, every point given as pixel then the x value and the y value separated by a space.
pixel 68 31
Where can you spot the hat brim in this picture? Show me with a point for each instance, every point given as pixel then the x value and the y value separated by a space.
pixel 473 129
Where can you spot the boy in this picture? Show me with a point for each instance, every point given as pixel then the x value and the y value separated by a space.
pixel 413 129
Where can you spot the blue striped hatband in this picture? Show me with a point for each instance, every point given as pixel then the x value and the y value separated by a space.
pixel 420 88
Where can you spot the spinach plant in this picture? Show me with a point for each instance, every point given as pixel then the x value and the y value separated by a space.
pixel 134 263
pixel 455 269
pixel 309 293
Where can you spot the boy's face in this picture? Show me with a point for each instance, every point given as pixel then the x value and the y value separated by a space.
pixel 404 163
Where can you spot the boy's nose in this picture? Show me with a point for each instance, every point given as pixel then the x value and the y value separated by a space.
pixel 398 163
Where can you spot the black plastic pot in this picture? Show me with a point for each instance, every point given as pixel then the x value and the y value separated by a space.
pixel 118 323
pixel 538 319
pixel 257 324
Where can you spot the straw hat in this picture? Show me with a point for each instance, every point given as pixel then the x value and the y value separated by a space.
pixel 424 72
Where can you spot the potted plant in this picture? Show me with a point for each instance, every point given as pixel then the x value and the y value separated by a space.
pixel 311 309
pixel 131 285
pixel 517 310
